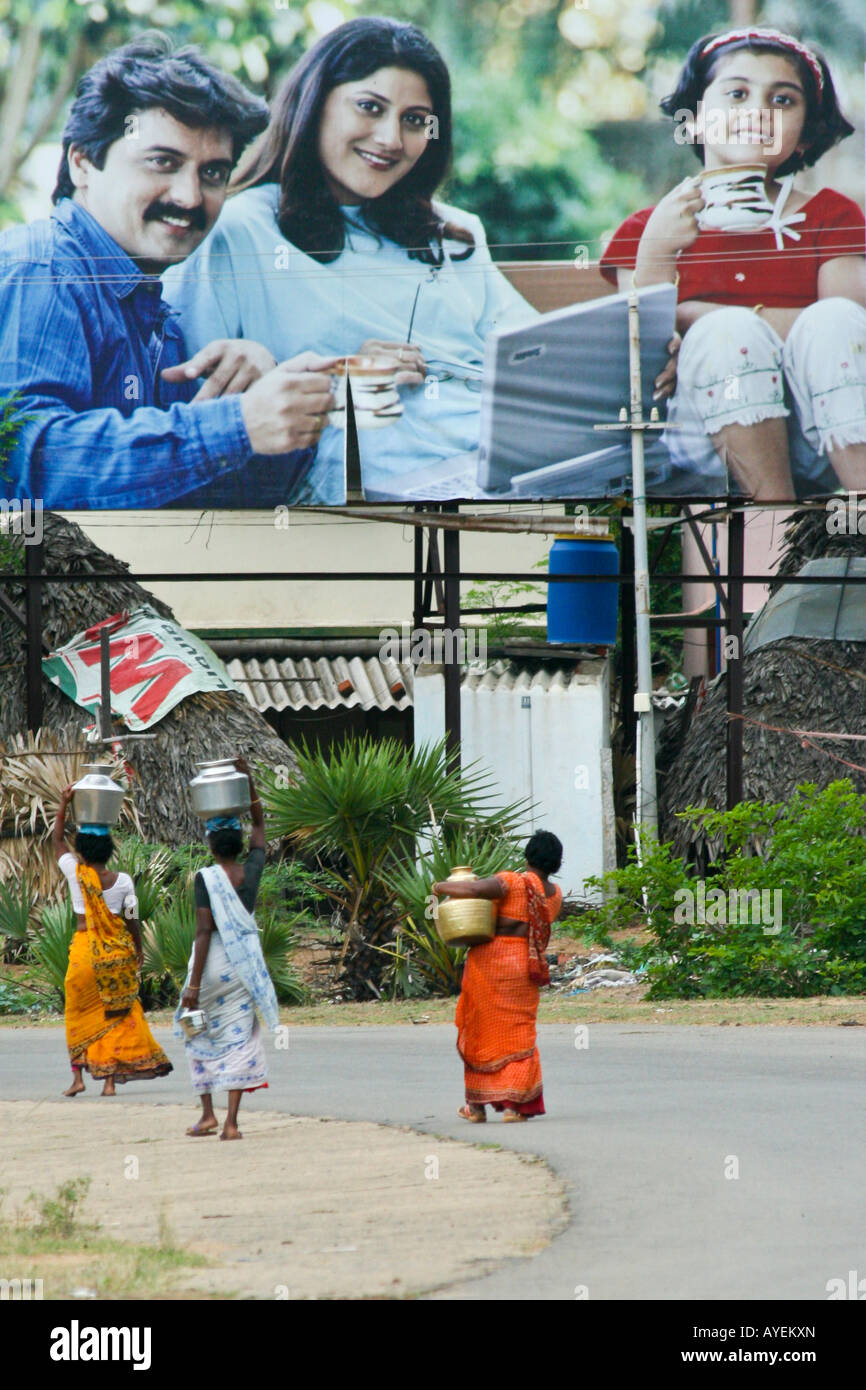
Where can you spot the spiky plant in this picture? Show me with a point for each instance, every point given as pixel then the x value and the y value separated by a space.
pixel 49 946
pixel 362 808
pixel 421 961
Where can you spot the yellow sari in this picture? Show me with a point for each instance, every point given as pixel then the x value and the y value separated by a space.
pixel 106 1030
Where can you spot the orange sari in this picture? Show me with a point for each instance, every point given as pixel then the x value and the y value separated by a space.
pixel 106 1030
pixel 497 1010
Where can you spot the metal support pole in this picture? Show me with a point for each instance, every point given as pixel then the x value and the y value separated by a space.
pixel 734 658
pixel 418 586
pixel 33 566
pixel 628 674
pixel 647 804
pixel 105 685
pixel 451 644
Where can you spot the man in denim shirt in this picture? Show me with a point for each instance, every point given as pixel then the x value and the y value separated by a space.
pixel 111 414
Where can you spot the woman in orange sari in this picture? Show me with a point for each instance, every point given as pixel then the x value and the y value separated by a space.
pixel 498 1002
pixel 106 1031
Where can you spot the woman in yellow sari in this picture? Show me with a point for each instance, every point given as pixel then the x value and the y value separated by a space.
pixel 106 1031
pixel 498 1004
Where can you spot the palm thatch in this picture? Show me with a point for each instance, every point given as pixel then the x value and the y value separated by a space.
pixel 33 772
pixel 209 724
pixel 794 683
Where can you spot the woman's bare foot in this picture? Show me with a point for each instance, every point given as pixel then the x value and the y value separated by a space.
pixel 230 1132
pixel 513 1117
pixel 108 1088
pixel 76 1088
pixel 203 1127
pixel 475 1114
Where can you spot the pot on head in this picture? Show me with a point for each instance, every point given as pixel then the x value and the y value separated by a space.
pixel 466 921
pixel 219 790
pixel 97 800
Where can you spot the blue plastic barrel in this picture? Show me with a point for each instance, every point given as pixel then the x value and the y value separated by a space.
pixel 583 613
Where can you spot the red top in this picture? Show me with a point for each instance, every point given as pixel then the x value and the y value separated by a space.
pixel 746 267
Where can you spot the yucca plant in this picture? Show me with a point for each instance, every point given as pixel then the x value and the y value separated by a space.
pixel 49 946
pixel 16 908
pixel 421 961
pixel 277 934
pixel 362 807
pixel 167 941
pixel 150 867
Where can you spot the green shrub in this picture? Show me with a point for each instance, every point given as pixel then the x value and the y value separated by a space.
pixel 802 930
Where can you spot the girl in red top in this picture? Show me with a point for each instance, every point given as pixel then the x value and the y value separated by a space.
pixel 771 373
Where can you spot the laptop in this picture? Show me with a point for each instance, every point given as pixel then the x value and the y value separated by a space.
pixel 544 387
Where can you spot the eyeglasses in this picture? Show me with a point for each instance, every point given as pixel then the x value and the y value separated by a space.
pixel 466 372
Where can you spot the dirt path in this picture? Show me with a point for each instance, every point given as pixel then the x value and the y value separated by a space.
pixel 301 1208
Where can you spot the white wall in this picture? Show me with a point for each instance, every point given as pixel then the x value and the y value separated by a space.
pixel 182 543
pixel 555 751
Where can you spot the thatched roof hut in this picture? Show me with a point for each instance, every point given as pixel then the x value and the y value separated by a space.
pixel 209 724
pixel 794 683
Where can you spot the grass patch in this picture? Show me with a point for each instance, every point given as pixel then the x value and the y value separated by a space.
pixel 50 1240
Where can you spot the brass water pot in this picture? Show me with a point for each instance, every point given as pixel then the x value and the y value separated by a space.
pixel 466 921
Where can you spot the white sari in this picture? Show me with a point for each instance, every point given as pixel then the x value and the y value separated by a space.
pixel 235 985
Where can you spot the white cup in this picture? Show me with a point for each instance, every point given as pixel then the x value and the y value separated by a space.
pixel 735 199
pixel 375 398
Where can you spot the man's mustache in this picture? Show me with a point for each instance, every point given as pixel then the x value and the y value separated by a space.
pixel 159 210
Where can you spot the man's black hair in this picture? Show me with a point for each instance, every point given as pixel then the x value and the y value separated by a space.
pixel 226 843
pixel 148 74
pixel 544 852
pixel 94 849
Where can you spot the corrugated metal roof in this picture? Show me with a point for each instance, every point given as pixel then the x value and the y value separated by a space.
pixel 330 682
pixel 552 680
pixel 342 682
pixel 834 612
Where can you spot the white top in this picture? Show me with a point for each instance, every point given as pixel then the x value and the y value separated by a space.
pixel 247 281
pixel 120 898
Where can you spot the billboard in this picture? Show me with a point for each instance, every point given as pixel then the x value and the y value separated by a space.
pixel 154 663
pixel 337 256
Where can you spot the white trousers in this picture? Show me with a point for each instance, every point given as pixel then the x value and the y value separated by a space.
pixel 733 368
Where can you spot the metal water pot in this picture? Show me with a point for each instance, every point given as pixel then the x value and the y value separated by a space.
pixel 220 790
pixel 97 800
pixel 192 1022
pixel 466 921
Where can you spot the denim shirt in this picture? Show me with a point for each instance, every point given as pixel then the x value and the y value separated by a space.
pixel 84 335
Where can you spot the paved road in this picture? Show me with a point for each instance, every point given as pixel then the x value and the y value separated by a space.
pixel 643 1123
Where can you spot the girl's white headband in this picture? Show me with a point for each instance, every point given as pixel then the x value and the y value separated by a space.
pixel 736 35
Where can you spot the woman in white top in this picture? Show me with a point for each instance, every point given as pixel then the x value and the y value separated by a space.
pixel 106 1031
pixel 334 243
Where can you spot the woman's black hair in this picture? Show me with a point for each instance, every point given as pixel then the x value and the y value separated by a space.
pixel 308 214
pixel 544 852
pixel 146 74
pixel 226 843
pixel 94 849
pixel 824 126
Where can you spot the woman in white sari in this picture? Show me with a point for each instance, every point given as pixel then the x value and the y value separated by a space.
pixel 227 978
